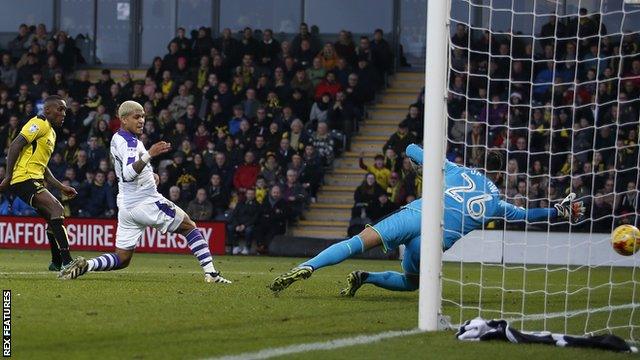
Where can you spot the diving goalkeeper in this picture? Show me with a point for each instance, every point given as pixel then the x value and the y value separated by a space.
pixel 470 200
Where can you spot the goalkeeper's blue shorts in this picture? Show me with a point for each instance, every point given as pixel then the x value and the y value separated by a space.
pixel 398 228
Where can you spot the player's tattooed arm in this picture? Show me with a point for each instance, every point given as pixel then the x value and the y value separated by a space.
pixel 12 155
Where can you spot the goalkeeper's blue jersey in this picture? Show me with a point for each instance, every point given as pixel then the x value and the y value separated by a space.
pixel 470 199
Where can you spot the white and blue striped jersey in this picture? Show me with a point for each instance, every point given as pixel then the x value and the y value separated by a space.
pixel 134 189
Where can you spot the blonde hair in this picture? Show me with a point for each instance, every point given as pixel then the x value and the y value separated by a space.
pixel 128 107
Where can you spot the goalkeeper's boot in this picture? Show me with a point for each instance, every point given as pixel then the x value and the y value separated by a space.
pixel 215 277
pixel 571 210
pixel 54 267
pixel 354 281
pixel 74 269
pixel 283 281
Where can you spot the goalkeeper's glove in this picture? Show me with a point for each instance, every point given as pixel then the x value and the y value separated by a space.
pixel 571 210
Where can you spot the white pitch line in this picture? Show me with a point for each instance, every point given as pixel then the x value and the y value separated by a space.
pixel 317 346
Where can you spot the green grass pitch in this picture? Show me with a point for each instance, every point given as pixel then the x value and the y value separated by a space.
pixel 160 308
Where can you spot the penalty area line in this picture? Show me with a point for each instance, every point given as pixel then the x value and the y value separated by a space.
pixel 317 346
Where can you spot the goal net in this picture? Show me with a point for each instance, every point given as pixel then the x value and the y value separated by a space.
pixel 555 87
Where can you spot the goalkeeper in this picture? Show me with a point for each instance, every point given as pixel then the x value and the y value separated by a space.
pixel 470 200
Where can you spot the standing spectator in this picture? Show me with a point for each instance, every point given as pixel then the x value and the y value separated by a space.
pixel 273 220
pixel 228 47
pixel 20 43
pixel 184 44
pixel 400 139
pixel 200 208
pixel 378 169
pixel 242 222
pixel 345 48
pixel 311 39
pixel 381 53
pixel 268 49
pixel 156 70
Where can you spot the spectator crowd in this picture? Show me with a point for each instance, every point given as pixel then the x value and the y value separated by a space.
pixel 253 121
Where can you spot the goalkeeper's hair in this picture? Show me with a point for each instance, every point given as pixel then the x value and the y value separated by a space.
pixel 128 107
pixel 495 161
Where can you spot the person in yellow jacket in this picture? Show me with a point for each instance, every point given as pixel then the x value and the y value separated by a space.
pixel 27 171
pixel 378 169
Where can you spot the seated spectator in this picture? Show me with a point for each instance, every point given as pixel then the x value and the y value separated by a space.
pixel 218 196
pixel 262 189
pixel 200 208
pixel 324 143
pixel 244 137
pixel 295 195
pixel 234 123
pixel 284 152
pixel 415 122
pixel 328 57
pixel 328 85
pixel 297 137
pixel 316 73
pixel 342 115
pixel 271 171
pixel 251 104
pixel 366 193
pixel 304 55
pixel 299 105
pixel 179 103
pixel 400 139
pixel 309 176
pixel 396 189
pixel 378 169
pixel 242 222
pixel 302 83
pixel 100 200
pixel 381 208
pixel 320 109
pixel 246 174
pixel 273 220
pixel 8 72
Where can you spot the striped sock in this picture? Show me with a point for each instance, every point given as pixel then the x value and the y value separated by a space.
pixel 200 249
pixel 105 262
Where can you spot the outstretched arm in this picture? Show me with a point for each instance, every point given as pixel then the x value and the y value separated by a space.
pixel 568 209
pixel 415 153
pixel 512 212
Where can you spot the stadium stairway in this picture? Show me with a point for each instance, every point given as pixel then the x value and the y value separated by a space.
pixel 329 217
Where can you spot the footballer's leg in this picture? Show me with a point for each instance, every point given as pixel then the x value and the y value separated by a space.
pixel 127 235
pixel 53 212
pixel 120 259
pixel 390 280
pixel 200 249
pixel 56 259
pixel 334 254
pixel 390 232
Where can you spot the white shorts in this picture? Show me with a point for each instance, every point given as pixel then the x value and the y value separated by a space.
pixel 162 215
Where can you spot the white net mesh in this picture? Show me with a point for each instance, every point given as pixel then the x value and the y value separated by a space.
pixel 555 87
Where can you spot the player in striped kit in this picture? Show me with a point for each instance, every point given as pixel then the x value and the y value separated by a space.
pixel 470 200
pixel 139 203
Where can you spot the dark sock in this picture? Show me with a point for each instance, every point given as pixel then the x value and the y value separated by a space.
pixel 60 233
pixel 53 245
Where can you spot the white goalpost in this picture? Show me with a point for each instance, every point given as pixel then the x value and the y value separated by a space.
pixel 553 85
pixel 434 143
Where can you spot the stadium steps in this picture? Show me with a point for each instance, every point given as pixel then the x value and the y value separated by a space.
pixel 329 217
